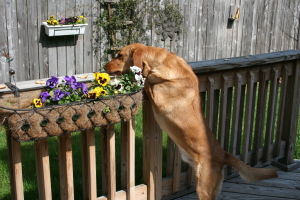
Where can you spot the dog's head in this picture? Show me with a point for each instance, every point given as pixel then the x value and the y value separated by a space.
pixel 128 56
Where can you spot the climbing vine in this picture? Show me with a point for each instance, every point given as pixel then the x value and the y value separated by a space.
pixel 131 21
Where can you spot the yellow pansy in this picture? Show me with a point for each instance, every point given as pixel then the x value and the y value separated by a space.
pixel 54 22
pixel 92 95
pixel 37 102
pixel 100 91
pixel 102 78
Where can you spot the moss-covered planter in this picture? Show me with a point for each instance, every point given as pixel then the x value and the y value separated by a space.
pixel 38 123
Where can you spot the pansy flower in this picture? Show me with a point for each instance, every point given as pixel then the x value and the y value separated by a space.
pixel 83 87
pixel 37 102
pixel 92 95
pixel 52 82
pixel 44 96
pixel 100 91
pixel 102 78
pixel 58 94
pixel 71 81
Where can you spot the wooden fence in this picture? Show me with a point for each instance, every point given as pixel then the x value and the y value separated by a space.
pixel 264 26
pixel 251 103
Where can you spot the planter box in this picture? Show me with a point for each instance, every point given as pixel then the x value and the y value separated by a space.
pixel 60 30
pixel 43 122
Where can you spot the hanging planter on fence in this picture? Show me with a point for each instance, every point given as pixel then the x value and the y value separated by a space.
pixel 60 30
pixel 65 26
pixel 67 105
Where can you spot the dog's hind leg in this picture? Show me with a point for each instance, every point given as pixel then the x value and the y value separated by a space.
pixel 209 179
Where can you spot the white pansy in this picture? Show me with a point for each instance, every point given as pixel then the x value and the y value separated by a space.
pixel 119 87
pixel 141 82
pixel 114 81
pixel 135 69
pixel 138 77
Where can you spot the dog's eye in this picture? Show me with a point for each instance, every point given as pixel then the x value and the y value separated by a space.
pixel 118 55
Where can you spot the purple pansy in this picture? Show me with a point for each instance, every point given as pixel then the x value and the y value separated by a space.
pixel 58 94
pixel 52 82
pixel 71 81
pixel 83 87
pixel 62 21
pixel 44 96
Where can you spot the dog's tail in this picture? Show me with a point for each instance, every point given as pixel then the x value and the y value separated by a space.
pixel 248 173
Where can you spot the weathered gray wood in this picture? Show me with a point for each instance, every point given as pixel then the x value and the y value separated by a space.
pixel 216 112
pixel 170 157
pixel 52 50
pixel 12 37
pixel 248 116
pixel 241 62
pixel 211 30
pixel 79 48
pixel 210 101
pixel 177 170
pixel 235 117
pixel 239 196
pixel 260 116
pixel 222 20
pixel 62 56
pixel 198 37
pixel 31 47
pixel 241 120
pixel 43 63
pixel 4 68
pixel 223 110
pixel 291 112
pixel 261 190
pixel 87 43
pixel 276 183
pixel 271 113
pixel 70 41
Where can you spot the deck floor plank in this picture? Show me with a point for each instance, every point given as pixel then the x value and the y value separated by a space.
pixel 286 186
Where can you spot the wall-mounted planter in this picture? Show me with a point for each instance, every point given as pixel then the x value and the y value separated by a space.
pixel 60 30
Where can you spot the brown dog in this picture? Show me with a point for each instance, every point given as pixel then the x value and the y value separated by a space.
pixel 173 90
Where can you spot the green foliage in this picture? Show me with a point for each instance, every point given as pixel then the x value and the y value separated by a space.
pixel 127 21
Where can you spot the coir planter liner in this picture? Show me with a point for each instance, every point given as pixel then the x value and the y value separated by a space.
pixel 38 123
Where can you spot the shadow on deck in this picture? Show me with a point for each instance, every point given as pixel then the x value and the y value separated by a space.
pixel 286 186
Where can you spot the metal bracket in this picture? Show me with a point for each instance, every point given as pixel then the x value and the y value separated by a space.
pixel 14 88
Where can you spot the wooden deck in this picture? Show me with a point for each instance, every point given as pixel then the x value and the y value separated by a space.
pixel 286 186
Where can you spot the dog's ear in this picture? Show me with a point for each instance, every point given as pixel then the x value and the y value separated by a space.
pixel 137 57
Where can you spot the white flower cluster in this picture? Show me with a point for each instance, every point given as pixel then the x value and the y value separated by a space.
pixel 138 75
pixel 116 83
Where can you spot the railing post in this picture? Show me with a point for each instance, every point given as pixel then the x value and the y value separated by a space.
pixel 15 167
pixel 152 153
pixel 290 122
pixel 66 167
pixel 88 164
pixel 43 169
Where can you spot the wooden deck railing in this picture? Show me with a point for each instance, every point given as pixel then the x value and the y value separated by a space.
pixel 251 103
